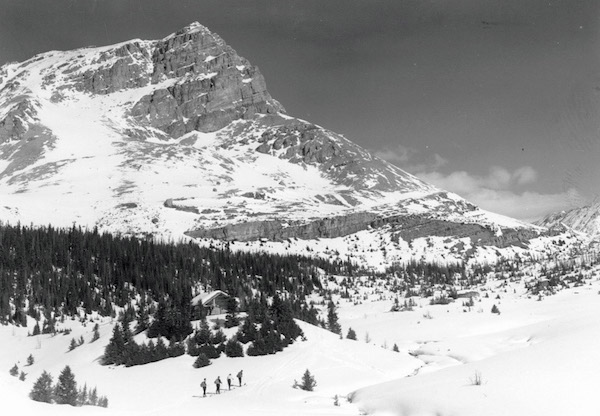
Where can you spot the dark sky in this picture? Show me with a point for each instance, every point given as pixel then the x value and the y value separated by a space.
pixel 498 100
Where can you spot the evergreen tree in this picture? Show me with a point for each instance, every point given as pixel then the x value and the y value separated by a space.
pixel 218 337
pixel 209 351
pixel 42 390
pixel 66 388
pixel 161 350
pixel 257 347
pixel 143 317
pixel 175 348
pixel 283 319
pixel 307 382
pixel 233 348
pixel 73 344
pixel 201 361
pixel 14 371
pixel 113 353
pixel 332 319
pixel 248 331
pixel 351 334
pixel 30 359
pixel 192 348
pixel 22 376
pixel 93 397
pixel 204 335
pixel 231 319
pixel 82 396
pixel 96 335
pixel 103 401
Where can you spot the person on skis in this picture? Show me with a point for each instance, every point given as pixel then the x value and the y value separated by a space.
pixel 229 380
pixel 203 385
pixel 218 384
pixel 239 376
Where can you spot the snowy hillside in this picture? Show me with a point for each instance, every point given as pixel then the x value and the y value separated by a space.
pixel 536 357
pixel 180 135
pixel 584 219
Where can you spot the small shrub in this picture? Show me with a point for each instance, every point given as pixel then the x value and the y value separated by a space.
pixel 30 359
pixel 351 334
pixel 73 344
pixel 307 383
pixel 14 371
pixel 201 361
pixel 233 348
pixel 495 309
pixel 476 380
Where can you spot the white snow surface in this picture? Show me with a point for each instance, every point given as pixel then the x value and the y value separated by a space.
pixel 535 358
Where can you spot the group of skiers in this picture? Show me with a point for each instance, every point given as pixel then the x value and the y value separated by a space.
pixel 218 383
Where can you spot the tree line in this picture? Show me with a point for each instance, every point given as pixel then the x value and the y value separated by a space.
pixel 62 270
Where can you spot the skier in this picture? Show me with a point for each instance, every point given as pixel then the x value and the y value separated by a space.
pixel 218 384
pixel 203 385
pixel 239 376
pixel 229 380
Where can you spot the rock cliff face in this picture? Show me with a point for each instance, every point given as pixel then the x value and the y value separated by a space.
pixel 201 83
pixel 277 231
pixel 301 142
pixel 407 228
pixel 214 86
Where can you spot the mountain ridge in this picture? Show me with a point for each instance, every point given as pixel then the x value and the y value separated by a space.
pixel 179 136
pixel 585 219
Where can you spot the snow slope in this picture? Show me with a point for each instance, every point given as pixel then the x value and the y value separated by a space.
pixel 172 386
pixel 537 357
pixel 583 219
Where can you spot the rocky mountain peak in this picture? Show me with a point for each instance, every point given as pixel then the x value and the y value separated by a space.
pixel 180 135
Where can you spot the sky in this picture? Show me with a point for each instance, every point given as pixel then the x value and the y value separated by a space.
pixel 496 100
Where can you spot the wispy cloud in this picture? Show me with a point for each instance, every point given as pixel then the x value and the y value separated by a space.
pixel 498 191
pixel 501 190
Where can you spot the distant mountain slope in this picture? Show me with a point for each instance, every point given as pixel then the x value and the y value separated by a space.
pixel 180 135
pixel 584 219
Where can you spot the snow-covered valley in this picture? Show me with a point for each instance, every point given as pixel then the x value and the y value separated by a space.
pixel 538 356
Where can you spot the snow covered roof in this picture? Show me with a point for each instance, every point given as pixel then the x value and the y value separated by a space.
pixel 206 297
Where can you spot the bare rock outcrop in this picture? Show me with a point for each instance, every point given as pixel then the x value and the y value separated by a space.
pixel 275 230
pixel 405 227
pixel 214 85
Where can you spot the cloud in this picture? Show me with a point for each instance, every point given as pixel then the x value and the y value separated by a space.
pixel 498 191
pixel 411 159
pixel 402 154
pixel 525 175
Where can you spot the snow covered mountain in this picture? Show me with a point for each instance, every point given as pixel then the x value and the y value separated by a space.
pixel 584 219
pixel 180 135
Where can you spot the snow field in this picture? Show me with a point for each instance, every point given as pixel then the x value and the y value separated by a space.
pixel 535 358
pixel 170 386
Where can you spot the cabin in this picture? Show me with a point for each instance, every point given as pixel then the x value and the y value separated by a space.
pixel 214 303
